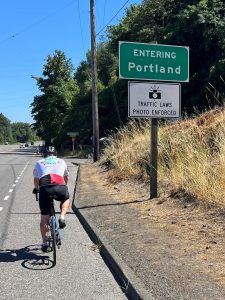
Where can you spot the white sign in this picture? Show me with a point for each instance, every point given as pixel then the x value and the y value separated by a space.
pixel 153 100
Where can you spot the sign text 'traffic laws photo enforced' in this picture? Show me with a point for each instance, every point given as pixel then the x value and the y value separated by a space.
pixel 153 100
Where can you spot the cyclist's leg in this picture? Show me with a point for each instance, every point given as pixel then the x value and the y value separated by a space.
pixel 44 227
pixel 45 208
pixel 61 191
pixel 64 207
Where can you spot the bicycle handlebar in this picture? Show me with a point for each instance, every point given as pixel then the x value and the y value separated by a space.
pixel 36 196
pixel 35 191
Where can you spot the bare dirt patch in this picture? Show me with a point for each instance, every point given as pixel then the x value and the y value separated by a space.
pixel 198 228
pixel 176 245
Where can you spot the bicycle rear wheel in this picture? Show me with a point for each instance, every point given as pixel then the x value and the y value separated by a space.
pixel 53 234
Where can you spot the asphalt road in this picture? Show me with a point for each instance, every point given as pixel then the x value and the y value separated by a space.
pixel 26 272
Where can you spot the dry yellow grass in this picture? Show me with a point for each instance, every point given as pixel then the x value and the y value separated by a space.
pixel 191 154
pixel 128 149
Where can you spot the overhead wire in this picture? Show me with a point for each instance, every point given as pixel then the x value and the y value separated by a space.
pixel 113 17
pixel 24 30
pixel 36 23
pixel 81 31
pixel 82 37
pixel 106 60
pixel 104 13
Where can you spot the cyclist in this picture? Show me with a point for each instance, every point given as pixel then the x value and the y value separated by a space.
pixel 50 178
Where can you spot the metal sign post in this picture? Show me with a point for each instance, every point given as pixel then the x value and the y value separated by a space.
pixel 73 140
pixel 154 159
pixel 73 136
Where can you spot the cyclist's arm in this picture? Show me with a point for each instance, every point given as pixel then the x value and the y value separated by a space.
pixel 66 174
pixel 36 183
pixel 65 179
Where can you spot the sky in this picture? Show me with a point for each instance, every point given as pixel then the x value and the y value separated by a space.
pixel 32 30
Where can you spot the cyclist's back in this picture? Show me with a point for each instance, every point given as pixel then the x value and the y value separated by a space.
pixel 46 168
pixel 50 178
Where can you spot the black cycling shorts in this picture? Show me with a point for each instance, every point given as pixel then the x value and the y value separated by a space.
pixel 58 191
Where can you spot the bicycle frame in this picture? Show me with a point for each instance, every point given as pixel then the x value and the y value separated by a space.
pixel 53 234
pixel 54 223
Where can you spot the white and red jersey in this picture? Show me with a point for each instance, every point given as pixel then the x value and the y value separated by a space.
pixel 53 166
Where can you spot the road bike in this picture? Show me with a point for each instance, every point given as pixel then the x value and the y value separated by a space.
pixel 53 236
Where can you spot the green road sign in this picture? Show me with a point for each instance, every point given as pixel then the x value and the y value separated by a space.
pixel 73 134
pixel 153 62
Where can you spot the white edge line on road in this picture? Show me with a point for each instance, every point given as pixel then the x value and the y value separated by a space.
pixel 1 208
pixel 11 190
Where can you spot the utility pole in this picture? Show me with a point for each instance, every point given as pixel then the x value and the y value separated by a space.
pixel 95 139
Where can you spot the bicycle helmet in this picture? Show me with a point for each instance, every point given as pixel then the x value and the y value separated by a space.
pixel 49 151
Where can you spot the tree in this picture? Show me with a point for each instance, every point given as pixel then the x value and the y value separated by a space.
pixel 65 101
pixel 107 63
pixel 22 132
pixel 83 75
pixel 58 90
pixel 5 130
pixel 197 24
pixel 201 26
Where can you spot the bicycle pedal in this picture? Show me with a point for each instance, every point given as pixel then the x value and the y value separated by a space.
pixel 59 243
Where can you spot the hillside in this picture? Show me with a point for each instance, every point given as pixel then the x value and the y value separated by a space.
pixel 188 215
pixel 191 155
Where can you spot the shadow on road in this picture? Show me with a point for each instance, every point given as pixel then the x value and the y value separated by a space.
pixel 110 204
pixel 31 256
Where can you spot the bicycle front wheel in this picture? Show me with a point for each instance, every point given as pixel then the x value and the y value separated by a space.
pixel 53 234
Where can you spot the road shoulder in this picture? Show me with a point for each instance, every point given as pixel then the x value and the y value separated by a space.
pixel 164 242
